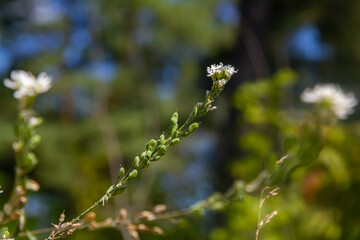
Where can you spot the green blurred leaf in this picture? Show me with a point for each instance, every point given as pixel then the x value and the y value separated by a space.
pixel 336 165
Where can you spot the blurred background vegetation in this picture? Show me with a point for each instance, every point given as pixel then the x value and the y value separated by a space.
pixel 121 68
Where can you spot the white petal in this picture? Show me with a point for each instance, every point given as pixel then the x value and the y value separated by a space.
pixel 43 83
pixel 22 77
pixel 10 84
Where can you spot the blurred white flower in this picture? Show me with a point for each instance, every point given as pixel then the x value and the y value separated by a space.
pixel 341 103
pixel 26 85
pixel 34 121
pixel 217 71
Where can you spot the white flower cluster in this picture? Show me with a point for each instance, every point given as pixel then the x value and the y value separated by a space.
pixel 218 71
pixel 342 104
pixel 26 85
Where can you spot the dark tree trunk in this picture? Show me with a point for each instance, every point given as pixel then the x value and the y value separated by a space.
pixel 250 58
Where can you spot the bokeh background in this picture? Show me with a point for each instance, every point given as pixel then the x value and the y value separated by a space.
pixel 121 68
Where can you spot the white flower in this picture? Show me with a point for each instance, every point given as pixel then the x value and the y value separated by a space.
pixel 341 103
pixel 26 85
pixel 214 69
pixel 217 71
pixel 229 70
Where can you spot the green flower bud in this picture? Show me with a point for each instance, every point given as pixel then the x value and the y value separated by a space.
pixel 174 141
pixel 30 161
pixel 136 162
pixel 121 172
pixel 148 154
pixel 162 150
pixel 173 125
pixel 34 141
pixel 172 129
pixel 162 139
pixel 174 135
pixel 193 127
pixel 207 104
pixel 143 155
pixel 151 145
pixel 193 113
pixel 133 173
pixel 157 158
pixel 174 118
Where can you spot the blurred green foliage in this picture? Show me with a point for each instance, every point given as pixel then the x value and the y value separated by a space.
pixel 318 179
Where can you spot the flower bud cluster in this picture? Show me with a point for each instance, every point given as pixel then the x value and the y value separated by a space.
pixel 27 141
pixel 221 72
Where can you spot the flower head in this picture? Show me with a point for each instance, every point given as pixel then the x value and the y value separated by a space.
pixel 220 71
pixel 331 95
pixel 26 85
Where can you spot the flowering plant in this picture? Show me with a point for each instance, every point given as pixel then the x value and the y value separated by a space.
pixel 303 141
pixel 331 96
pixel 27 88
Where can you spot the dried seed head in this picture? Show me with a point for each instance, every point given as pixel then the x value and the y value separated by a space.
pixel 16 215
pixel 160 208
pixel 267 219
pixel 32 185
pixel 122 214
pixel 22 200
pixel 62 217
pixel 65 225
pixel 158 230
pixel 147 215
pixel 134 234
pixel 142 227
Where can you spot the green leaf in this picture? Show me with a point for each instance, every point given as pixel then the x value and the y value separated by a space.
pixel 336 165
pixel 284 77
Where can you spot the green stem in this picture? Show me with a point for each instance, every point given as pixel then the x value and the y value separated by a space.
pixel 78 218
pixel 215 91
